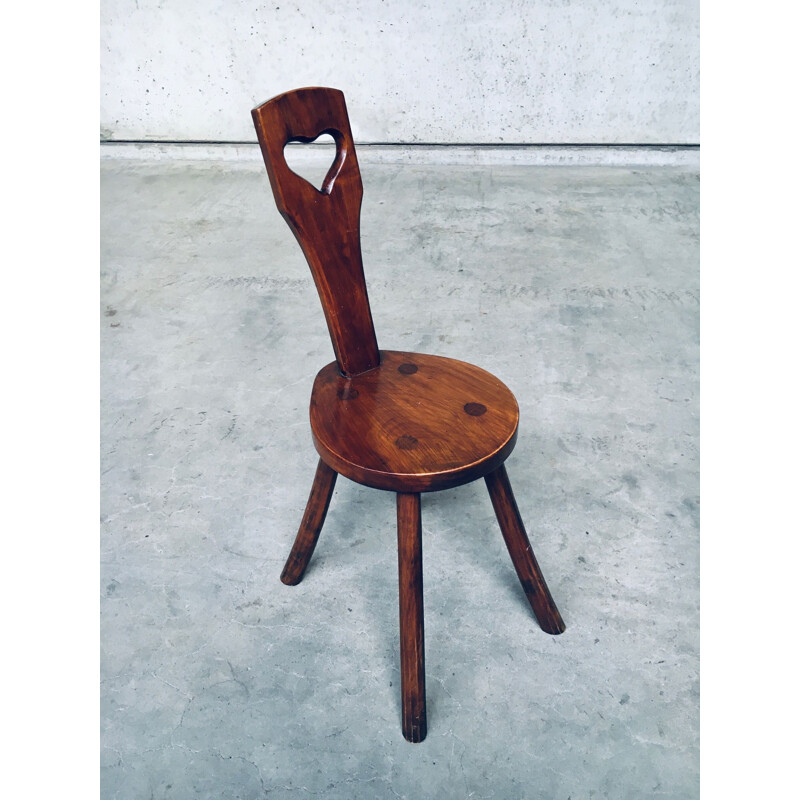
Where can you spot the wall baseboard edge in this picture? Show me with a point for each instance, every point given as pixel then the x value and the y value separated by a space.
pixel 628 155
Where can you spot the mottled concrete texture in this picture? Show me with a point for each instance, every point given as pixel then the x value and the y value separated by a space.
pixel 579 288
pixel 625 71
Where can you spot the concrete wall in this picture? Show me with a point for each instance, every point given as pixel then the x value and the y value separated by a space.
pixel 543 71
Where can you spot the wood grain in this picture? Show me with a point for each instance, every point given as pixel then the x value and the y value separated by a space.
pixel 412 633
pixel 417 423
pixel 310 527
pixel 521 552
pixel 325 222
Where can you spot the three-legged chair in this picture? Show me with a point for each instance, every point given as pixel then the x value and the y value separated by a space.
pixel 403 422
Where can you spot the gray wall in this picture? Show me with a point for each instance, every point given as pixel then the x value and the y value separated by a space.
pixel 543 71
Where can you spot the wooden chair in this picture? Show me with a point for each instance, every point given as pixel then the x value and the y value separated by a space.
pixel 403 422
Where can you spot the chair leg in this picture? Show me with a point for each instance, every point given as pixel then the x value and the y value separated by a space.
pixel 519 548
pixel 412 634
pixel 314 517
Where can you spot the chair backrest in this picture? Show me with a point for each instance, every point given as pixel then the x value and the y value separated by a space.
pixel 326 222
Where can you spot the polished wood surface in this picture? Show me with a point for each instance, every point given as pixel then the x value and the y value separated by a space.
pixel 325 222
pixel 399 421
pixel 415 423
pixel 310 527
pixel 521 552
pixel 412 633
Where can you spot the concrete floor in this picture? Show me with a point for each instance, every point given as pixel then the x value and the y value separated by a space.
pixel 578 287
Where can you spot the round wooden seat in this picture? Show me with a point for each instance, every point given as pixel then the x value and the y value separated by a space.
pixel 416 423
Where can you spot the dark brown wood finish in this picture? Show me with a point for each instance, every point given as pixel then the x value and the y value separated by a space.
pixel 398 421
pixel 310 527
pixel 521 552
pixel 417 423
pixel 412 626
pixel 326 222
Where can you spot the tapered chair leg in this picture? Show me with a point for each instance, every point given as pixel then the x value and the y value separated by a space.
pixel 412 634
pixel 519 548
pixel 314 517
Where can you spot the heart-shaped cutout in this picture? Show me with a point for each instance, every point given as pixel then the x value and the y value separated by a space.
pixel 315 161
